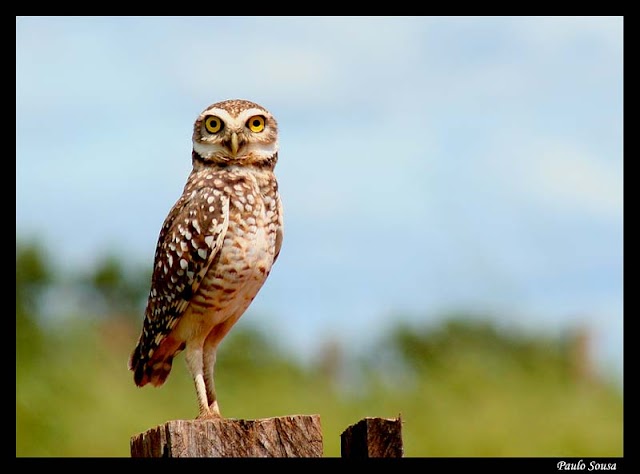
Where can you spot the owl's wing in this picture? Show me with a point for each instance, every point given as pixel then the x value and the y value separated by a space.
pixel 190 239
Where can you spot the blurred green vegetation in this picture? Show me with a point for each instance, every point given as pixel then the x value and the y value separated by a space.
pixel 463 387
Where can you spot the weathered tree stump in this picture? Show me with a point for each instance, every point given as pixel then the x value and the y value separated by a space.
pixel 373 438
pixel 287 436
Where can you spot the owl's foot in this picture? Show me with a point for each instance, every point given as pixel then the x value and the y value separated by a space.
pixel 212 412
pixel 209 416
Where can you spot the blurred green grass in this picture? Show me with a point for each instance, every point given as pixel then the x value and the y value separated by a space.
pixel 78 399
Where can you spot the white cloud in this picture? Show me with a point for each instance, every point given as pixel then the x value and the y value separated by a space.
pixel 567 176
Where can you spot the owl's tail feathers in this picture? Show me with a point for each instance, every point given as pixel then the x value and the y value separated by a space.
pixel 154 369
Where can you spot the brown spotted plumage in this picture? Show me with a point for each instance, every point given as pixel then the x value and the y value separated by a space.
pixel 216 246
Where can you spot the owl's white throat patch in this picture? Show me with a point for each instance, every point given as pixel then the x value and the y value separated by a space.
pixel 258 150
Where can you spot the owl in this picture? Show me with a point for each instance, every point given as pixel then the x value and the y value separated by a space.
pixel 216 247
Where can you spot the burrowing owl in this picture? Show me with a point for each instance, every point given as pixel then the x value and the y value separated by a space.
pixel 216 246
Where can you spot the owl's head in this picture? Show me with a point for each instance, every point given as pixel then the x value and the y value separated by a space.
pixel 236 132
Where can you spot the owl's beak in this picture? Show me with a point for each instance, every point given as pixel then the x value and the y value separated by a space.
pixel 234 143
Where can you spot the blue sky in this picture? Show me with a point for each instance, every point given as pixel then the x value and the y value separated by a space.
pixel 427 164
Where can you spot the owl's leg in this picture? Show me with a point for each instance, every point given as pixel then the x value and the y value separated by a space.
pixel 193 357
pixel 210 351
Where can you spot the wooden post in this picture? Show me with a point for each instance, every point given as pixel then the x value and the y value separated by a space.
pixel 373 438
pixel 287 436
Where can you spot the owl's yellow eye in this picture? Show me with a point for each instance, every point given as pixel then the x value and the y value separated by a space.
pixel 213 124
pixel 256 123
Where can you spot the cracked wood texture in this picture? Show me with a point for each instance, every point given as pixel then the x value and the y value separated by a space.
pixel 373 438
pixel 286 436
